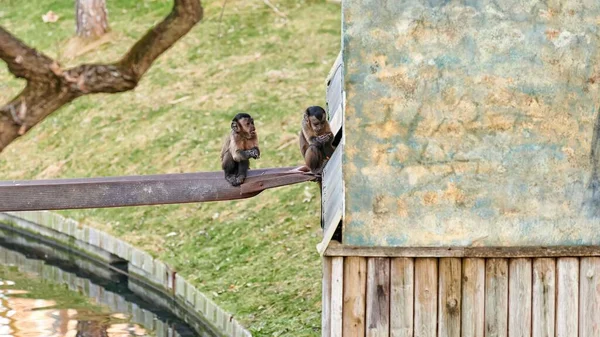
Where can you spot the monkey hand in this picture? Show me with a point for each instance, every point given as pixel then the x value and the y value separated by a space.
pixel 254 153
pixel 324 138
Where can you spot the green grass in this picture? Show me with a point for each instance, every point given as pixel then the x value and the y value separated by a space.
pixel 256 258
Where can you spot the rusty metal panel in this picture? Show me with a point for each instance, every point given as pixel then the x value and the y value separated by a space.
pixel 30 195
pixel 471 123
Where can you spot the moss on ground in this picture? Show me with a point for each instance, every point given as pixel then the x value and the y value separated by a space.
pixel 255 258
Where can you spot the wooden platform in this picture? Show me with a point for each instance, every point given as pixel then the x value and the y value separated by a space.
pixel 467 297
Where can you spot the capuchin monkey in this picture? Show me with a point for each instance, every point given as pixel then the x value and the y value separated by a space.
pixel 239 146
pixel 316 139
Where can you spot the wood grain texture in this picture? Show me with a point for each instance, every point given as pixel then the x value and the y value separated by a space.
pixel 337 295
pixel 326 298
pixel 378 297
pixel 519 297
pixel 589 303
pixel 496 298
pixel 402 291
pixel 567 300
pixel 544 297
pixel 355 284
pixel 449 305
pixel 426 292
pixel 473 297
pixel 139 190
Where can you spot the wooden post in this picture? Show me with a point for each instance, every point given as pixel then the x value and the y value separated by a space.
pixel 378 297
pixel 473 298
pixel 496 298
pixel 326 298
pixel 519 300
pixel 567 304
pixel 426 291
pixel 402 294
pixel 337 293
pixel 355 284
pixel 544 299
pixel 589 314
pixel 450 297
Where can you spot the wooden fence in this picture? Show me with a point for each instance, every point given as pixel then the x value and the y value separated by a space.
pixel 467 297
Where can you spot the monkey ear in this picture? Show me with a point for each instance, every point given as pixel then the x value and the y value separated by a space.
pixel 306 114
pixel 235 127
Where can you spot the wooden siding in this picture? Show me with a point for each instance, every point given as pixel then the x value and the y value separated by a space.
pixel 462 297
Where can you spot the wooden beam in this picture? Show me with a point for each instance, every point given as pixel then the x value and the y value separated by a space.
pixel 402 296
pixel 496 298
pixel 426 297
pixel 337 296
pixel 378 297
pixel 355 287
pixel 337 249
pixel 544 298
pixel 33 195
pixel 473 297
pixel 589 301
pixel 520 276
pixel 449 298
pixel 567 296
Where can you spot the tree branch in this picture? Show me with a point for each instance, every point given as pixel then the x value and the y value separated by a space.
pixel 23 61
pixel 185 14
pixel 49 87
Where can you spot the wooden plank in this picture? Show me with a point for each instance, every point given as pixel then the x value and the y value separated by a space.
pixel 544 299
pixel 30 195
pixel 589 303
pixel 496 298
pixel 402 294
pixel 426 291
pixel 337 295
pixel 332 200
pixel 473 297
pixel 337 249
pixel 449 297
pixel 326 298
pixel 355 284
pixel 567 295
pixel 378 297
pixel 519 297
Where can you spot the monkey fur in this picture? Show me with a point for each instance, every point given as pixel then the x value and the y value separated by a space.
pixel 239 146
pixel 316 139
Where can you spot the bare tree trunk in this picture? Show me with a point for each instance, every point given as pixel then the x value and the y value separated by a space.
pixel 92 18
pixel 50 86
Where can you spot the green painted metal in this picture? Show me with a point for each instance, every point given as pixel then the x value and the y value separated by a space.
pixel 471 123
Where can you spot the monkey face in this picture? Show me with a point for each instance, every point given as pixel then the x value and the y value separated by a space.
pixel 247 126
pixel 316 124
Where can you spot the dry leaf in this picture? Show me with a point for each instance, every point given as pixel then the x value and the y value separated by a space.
pixel 50 17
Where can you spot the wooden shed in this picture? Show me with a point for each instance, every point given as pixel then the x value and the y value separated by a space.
pixel 464 197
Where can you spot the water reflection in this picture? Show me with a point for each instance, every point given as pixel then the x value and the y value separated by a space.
pixel 28 313
pixel 52 297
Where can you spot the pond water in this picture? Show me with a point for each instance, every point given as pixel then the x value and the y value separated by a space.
pixel 33 307
pixel 42 295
